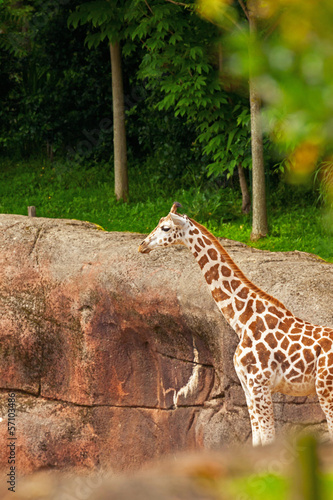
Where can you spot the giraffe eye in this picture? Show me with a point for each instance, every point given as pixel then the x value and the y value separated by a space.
pixel 165 228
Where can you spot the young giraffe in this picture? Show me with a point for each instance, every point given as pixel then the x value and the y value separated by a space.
pixel 277 352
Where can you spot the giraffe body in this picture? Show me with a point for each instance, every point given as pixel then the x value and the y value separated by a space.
pixel 277 352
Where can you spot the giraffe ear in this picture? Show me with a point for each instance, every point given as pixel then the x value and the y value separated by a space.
pixel 177 219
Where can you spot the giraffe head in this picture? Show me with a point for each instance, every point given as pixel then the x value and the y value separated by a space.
pixel 171 230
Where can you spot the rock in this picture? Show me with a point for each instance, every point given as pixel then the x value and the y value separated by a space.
pixel 117 358
pixel 192 476
pixel 187 476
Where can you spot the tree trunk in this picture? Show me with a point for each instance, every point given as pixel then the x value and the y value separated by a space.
pixel 119 132
pixel 246 199
pixel 259 220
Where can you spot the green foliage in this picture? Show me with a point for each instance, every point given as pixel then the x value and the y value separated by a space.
pixel 84 191
pixel 14 18
pixel 290 58
pixel 48 99
pixel 60 91
pixel 104 15
pixel 180 66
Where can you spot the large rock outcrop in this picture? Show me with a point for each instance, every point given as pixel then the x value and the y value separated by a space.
pixel 116 358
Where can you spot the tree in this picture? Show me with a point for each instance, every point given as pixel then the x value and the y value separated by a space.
pixel 220 11
pixel 106 19
pixel 119 132
pixel 259 217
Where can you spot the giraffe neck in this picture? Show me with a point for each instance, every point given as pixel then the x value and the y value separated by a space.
pixel 235 295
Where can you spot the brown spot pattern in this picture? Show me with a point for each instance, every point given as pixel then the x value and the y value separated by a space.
pixel 260 307
pixel 226 271
pixel 271 341
pixel 239 304
pixel 308 355
pixel 276 312
pixel 212 274
pixel 212 253
pixel 285 344
pixel 235 284
pixel 229 311
pixel 201 243
pixel 206 240
pixel 257 328
pixel 294 347
pixel 203 261
pixel 264 355
pixel 247 341
pixel 309 369
pixel 286 324
pixel 326 344
pixel 246 315
pixel 271 321
pixel 300 365
pixel 294 337
pixel 218 295
pixel 294 357
pixel 279 356
pixel 248 359
pixel 243 293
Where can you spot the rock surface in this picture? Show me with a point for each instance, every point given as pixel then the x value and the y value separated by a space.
pixel 202 475
pixel 117 358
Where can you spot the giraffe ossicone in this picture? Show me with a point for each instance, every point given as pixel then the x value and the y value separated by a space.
pixel 277 352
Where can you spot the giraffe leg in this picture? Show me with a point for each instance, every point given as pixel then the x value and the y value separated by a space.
pixel 262 407
pixel 256 440
pixel 324 389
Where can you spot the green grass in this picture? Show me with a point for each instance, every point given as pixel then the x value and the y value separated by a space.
pixel 68 190
pixel 258 487
pixel 269 487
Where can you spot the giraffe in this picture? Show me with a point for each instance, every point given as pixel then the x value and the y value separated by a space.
pixel 277 352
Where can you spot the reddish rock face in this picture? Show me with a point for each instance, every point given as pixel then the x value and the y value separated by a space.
pixel 101 363
pixel 117 358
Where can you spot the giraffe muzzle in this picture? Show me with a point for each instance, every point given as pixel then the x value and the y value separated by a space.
pixel 143 248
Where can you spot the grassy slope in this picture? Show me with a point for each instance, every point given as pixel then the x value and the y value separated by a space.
pixel 74 191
